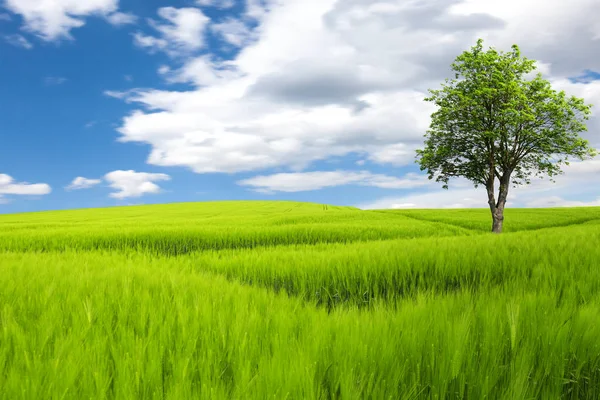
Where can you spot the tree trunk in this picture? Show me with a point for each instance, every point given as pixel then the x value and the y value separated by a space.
pixel 497 221
pixel 498 208
pixel 496 227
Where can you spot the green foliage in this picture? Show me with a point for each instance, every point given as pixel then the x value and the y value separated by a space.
pixel 493 122
pixel 423 315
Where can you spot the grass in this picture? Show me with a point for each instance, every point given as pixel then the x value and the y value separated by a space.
pixel 209 301
pixel 515 219
pixel 185 228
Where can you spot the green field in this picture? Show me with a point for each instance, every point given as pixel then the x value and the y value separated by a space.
pixel 286 300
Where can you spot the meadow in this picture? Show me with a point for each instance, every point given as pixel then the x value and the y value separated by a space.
pixel 284 300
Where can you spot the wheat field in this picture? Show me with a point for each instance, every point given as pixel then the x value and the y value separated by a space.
pixel 285 300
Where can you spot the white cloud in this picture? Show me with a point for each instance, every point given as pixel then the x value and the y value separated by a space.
pixel 54 19
pixel 150 42
pixel 548 25
pixel 10 187
pixel 54 80
pixel 5 17
pixel 133 184
pixel 580 180
pixel 233 31
pixel 222 4
pixel 201 71
pixel 211 131
pixel 257 9
pixel 127 183
pixel 18 41
pixel 182 31
pixel 463 198
pixel 305 181
pixel 116 94
pixel 557 201
pixel 83 183
pixel 395 154
pixel 329 78
pixel 121 18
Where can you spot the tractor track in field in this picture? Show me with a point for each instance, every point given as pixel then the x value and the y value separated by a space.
pixel 432 221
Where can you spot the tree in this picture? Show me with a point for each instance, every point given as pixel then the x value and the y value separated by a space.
pixel 496 122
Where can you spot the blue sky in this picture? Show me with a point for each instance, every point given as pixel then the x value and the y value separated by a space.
pixel 195 100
